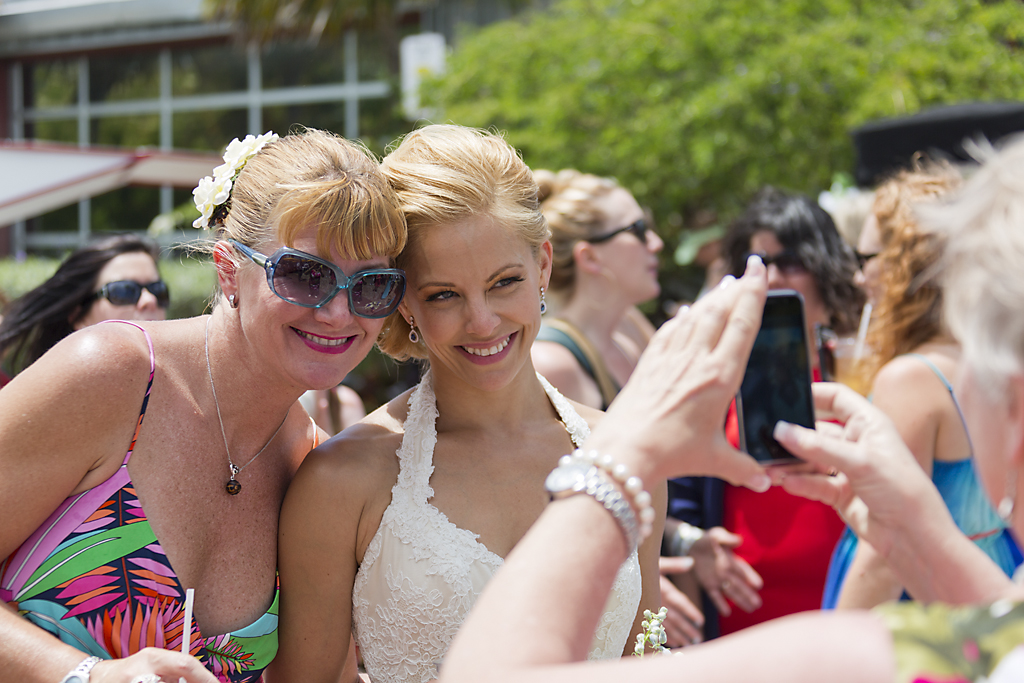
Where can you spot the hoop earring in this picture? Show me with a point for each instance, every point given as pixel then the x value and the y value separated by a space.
pixel 543 302
pixel 414 336
pixel 1005 508
pixel 231 300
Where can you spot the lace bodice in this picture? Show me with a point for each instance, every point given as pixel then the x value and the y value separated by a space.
pixel 421 574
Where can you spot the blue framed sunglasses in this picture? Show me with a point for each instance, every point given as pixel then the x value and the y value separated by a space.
pixel 305 280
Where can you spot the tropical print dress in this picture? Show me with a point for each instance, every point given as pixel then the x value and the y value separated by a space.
pixel 95 576
pixel 941 644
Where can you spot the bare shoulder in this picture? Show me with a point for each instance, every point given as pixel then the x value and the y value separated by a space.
pixel 360 460
pixel 86 388
pixel 101 356
pixel 906 378
pixel 908 392
pixel 559 366
pixel 593 416
pixel 551 358
pixel 66 422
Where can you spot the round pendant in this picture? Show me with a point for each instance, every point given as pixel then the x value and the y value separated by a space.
pixel 233 487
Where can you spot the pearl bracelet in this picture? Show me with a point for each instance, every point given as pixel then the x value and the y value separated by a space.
pixel 632 485
pixel 576 476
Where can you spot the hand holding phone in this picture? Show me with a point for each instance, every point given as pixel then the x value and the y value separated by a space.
pixel 777 383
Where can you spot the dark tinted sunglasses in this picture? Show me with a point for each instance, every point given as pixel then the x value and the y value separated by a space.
pixel 127 292
pixel 305 280
pixel 789 262
pixel 638 228
pixel 862 259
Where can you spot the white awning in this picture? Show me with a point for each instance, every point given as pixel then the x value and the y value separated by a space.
pixel 36 178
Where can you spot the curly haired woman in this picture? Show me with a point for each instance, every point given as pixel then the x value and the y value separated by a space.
pixel 914 363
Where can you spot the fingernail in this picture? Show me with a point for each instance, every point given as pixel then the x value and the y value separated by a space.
pixel 753 261
pixel 782 431
pixel 760 482
pixel 726 281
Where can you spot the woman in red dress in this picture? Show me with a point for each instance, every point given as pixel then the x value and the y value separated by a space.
pixel 787 540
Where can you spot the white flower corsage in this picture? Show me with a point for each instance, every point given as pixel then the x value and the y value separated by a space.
pixel 653 635
pixel 215 191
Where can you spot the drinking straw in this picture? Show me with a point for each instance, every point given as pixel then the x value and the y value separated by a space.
pixel 187 636
pixel 862 331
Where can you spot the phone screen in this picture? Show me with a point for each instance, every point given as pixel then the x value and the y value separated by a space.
pixel 777 382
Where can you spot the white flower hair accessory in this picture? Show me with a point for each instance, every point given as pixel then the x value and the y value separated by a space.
pixel 213 192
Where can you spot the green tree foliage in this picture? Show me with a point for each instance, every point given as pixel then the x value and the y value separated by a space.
pixel 264 20
pixel 697 104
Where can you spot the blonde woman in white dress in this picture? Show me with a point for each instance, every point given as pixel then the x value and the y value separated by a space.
pixel 392 529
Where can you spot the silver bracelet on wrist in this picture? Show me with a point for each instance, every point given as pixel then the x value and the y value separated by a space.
pixel 611 485
pixel 633 486
pixel 680 543
pixel 80 674
pixel 579 477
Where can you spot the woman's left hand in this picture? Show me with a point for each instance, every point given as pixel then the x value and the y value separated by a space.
pixel 724 574
pixel 888 500
pixel 880 488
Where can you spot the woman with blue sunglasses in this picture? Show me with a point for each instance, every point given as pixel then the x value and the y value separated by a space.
pixel 103 547
pixel 391 529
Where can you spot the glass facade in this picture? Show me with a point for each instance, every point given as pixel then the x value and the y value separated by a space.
pixel 192 97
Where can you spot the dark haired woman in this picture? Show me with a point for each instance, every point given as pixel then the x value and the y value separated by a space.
pixel 787 540
pixel 113 279
pixel 804 252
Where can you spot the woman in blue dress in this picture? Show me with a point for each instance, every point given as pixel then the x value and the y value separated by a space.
pixel 915 358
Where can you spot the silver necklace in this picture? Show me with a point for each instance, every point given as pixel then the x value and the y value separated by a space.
pixel 232 487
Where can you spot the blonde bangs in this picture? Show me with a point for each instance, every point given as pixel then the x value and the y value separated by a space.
pixel 351 216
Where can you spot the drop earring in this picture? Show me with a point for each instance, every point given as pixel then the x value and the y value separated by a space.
pixel 543 302
pixel 414 336
pixel 1005 508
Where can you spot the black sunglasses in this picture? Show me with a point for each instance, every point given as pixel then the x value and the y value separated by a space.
pixel 638 228
pixel 305 280
pixel 789 262
pixel 127 292
pixel 862 259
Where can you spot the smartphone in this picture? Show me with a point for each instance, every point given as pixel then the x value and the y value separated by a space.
pixel 777 383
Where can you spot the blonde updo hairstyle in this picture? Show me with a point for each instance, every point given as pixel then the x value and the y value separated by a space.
pixel 568 200
pixel 315 178
pixel 443 174
pixel 983 282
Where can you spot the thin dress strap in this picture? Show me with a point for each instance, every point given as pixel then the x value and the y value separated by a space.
pixel 149 386
pixel 949 387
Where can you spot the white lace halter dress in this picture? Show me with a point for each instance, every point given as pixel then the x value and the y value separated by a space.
pixel 421 574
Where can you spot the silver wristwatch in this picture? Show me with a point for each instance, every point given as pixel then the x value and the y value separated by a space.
pixel 80 674
pixel 578 477
pixel 680 543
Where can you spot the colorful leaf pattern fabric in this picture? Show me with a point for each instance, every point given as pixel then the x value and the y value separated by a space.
pixel 95 576
pixel 942 644
pixel 108 589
